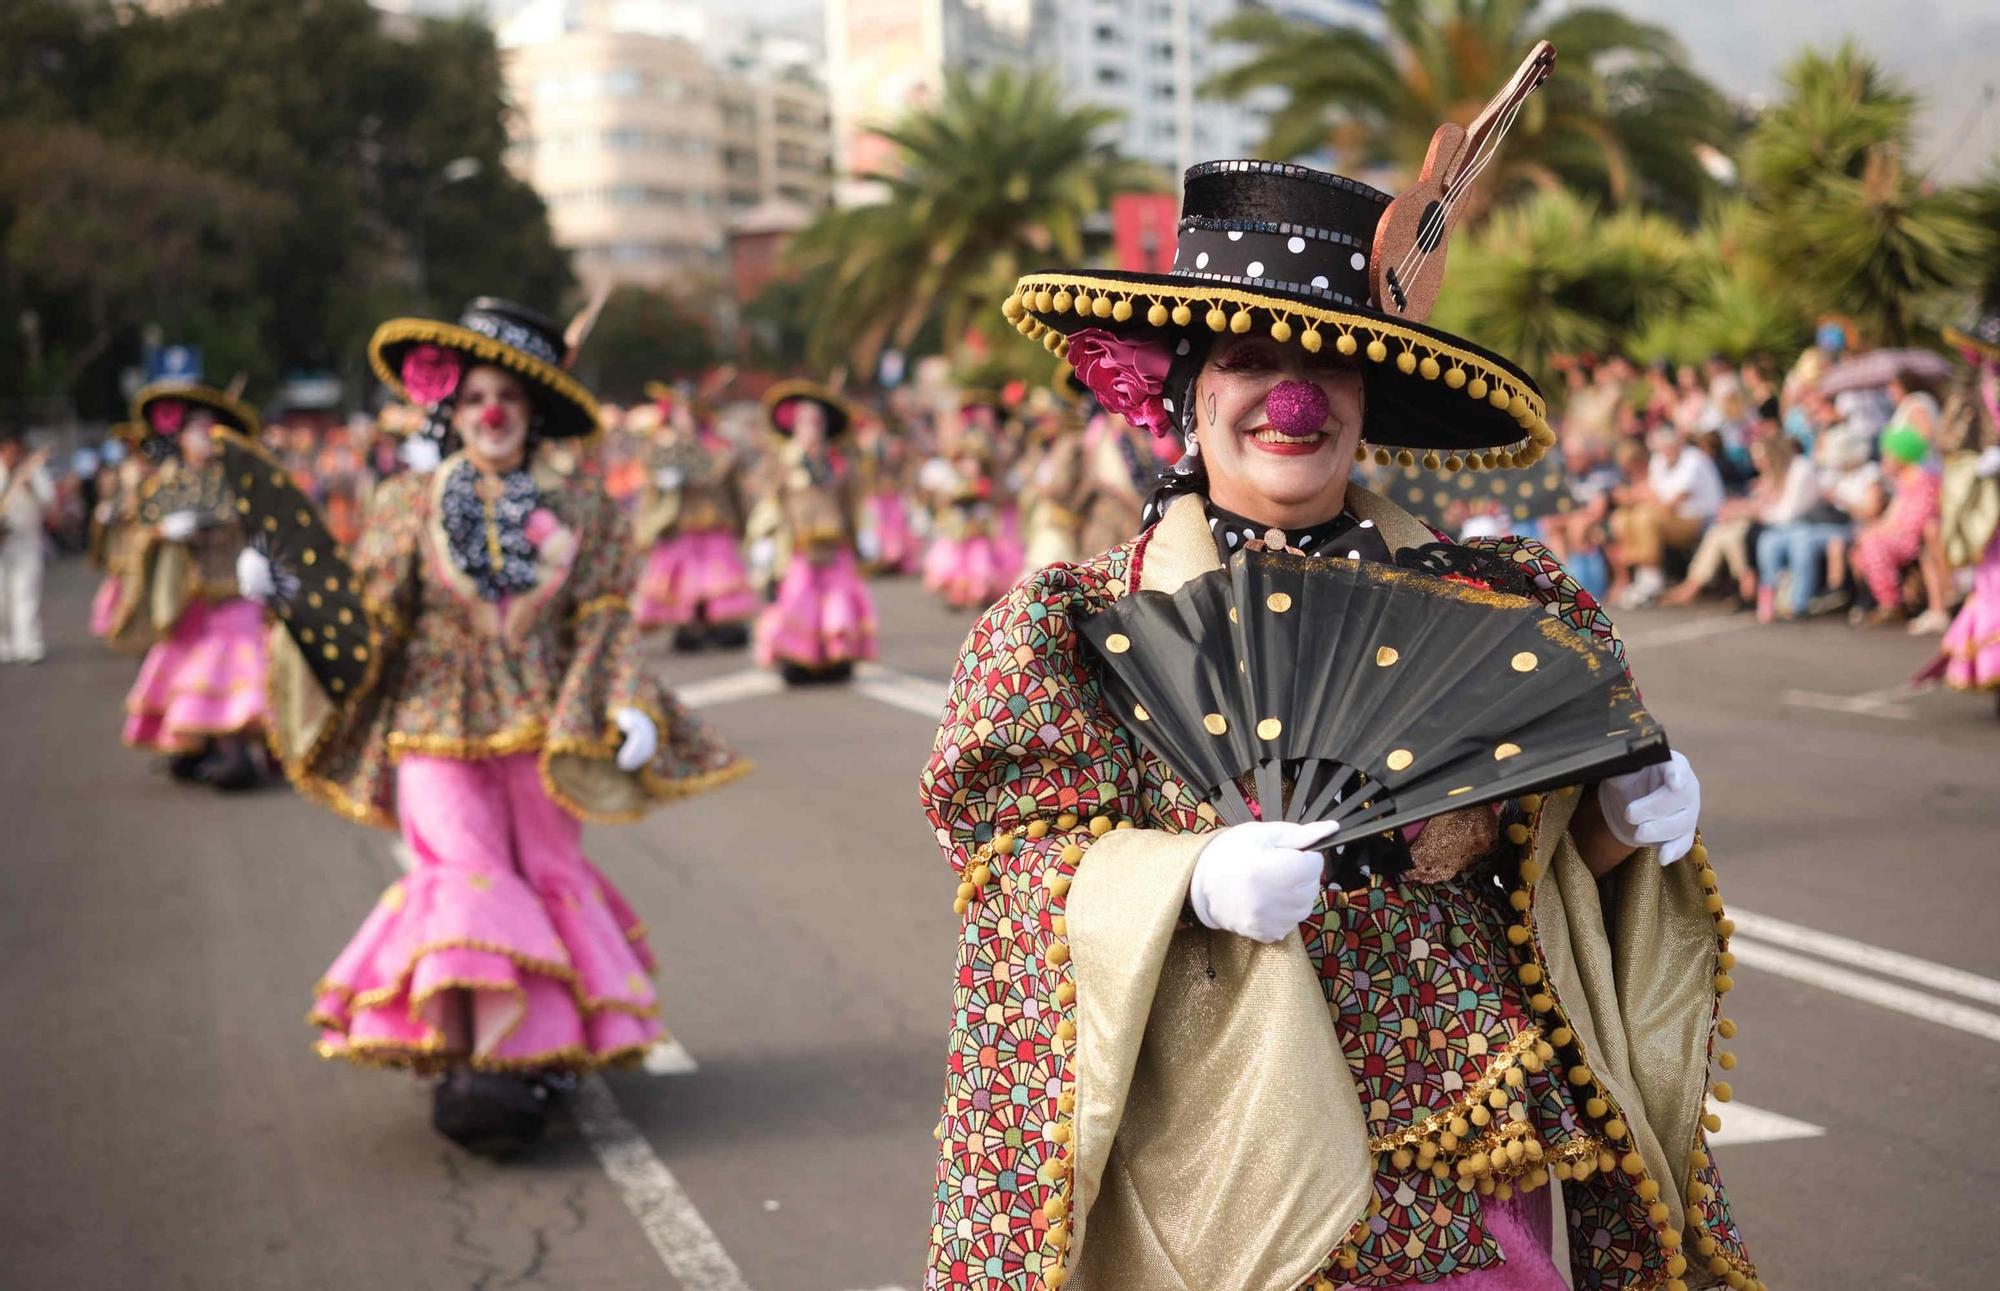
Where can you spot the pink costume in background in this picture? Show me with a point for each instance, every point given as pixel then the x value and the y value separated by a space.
pixel 971 561
pixel 486 740
pixel 104 605
pixel 823 616
pixel 887 540
pixel 691 522
pixel 203 675
pixel 500 903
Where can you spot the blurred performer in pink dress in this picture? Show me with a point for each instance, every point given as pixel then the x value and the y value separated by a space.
pixel 504 704
pixel 823 620
pixel 886 538
pixel 199 698
pixel 690 524
pixel 1969 657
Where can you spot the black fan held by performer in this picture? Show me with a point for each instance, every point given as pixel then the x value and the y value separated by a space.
pixel 1518 939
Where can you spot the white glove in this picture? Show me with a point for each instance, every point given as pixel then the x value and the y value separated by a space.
pixel 1656 804
pixel 642 738
pixel 668 477
pixel 1988 464
pixel 1253 879
pixel 420 453
pixel 253 576
pixel 179 526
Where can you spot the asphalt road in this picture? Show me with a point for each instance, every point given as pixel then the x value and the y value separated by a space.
pixel 169 1127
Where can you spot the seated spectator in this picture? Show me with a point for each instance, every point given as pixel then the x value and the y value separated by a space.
pixel 1576 536
pixel 1889 544
pixel 1786 488
pixel 1666 513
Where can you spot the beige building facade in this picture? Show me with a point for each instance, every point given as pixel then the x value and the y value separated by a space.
pixel 645 148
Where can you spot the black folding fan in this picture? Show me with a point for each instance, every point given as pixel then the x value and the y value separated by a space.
pixel 318 599
pixel 1363 694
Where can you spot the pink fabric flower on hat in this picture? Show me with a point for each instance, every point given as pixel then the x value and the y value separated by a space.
pixel 430 373
pixel 1126 376
pixel 167 415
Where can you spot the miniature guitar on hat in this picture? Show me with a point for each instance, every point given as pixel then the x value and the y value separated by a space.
pixel 1406 266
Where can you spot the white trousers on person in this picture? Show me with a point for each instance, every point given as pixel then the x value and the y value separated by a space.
pixel 20 599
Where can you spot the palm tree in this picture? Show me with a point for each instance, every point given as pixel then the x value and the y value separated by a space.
pixel 1620 119
pixel 997 178
pixel 1838 216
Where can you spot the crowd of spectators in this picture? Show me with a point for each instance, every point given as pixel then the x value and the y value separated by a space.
pixel 1726 480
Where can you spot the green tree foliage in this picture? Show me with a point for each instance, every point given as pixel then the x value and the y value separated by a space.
pixel 643 336
pixel 995 179
pixel 312 108
pixel 1839 217
pixel 1620 120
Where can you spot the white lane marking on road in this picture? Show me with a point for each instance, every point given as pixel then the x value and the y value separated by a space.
pixel 1709 625
pixel 1874 959
pixel 682 1238
pixel 918 695
pixel 1742 1123
pixel 747 684
pixel 670 1058
pixel 1871 990
pixel 1869 703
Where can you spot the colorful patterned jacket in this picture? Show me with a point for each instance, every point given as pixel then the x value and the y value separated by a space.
pixel 1472 1080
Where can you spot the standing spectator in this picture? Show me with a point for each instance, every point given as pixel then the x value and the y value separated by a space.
pixel 1888 545
pixel 25 495
pixel 1682 492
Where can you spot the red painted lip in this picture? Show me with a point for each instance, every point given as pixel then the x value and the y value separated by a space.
pixel 1291 448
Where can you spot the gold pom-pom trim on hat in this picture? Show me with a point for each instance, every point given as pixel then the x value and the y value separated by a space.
pixel 1232 311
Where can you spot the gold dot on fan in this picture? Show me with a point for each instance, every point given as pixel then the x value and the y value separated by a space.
pixel 361 654
pixel 1400 759
pixel 315 600
pixel 304 517
pixel 1139 711
pixel 309 556
pixel 346 615
pixel 271 523
pixel 1270 729
pixel 248 479
pixel 1118 643
pixel 330 650
pixel 338 684
pixel 1279 602
pixel 277 479
pixel 243 506
pixel 1453 793
pixel 332 583
pixel 1506 751
pixel 1524 661
pixel 1216 723
pixel 1386 656
pixel 306 635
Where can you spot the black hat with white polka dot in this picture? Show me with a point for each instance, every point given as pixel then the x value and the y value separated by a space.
pixel 1284 251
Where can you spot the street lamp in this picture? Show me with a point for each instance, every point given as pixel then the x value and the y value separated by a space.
pixel 456 171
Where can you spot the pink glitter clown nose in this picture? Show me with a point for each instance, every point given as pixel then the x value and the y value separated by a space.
pixel 1296 409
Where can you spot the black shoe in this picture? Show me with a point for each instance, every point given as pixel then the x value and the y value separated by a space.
pixel 490 1114
pixel 688 638
pixel 798 674
pixel 233 770
pixel 187 767
pixel 729 636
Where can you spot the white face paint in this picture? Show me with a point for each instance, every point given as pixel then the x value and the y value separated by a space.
pixel 492 418
pixel 1252 470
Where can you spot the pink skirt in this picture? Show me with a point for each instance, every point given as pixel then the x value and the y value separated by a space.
pixel 823 616
pixel 104 605
pixel 1972 644
pixel 206 679
pixel 502 948
pixel 694 576
pixel 970 573
pixel 894 542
